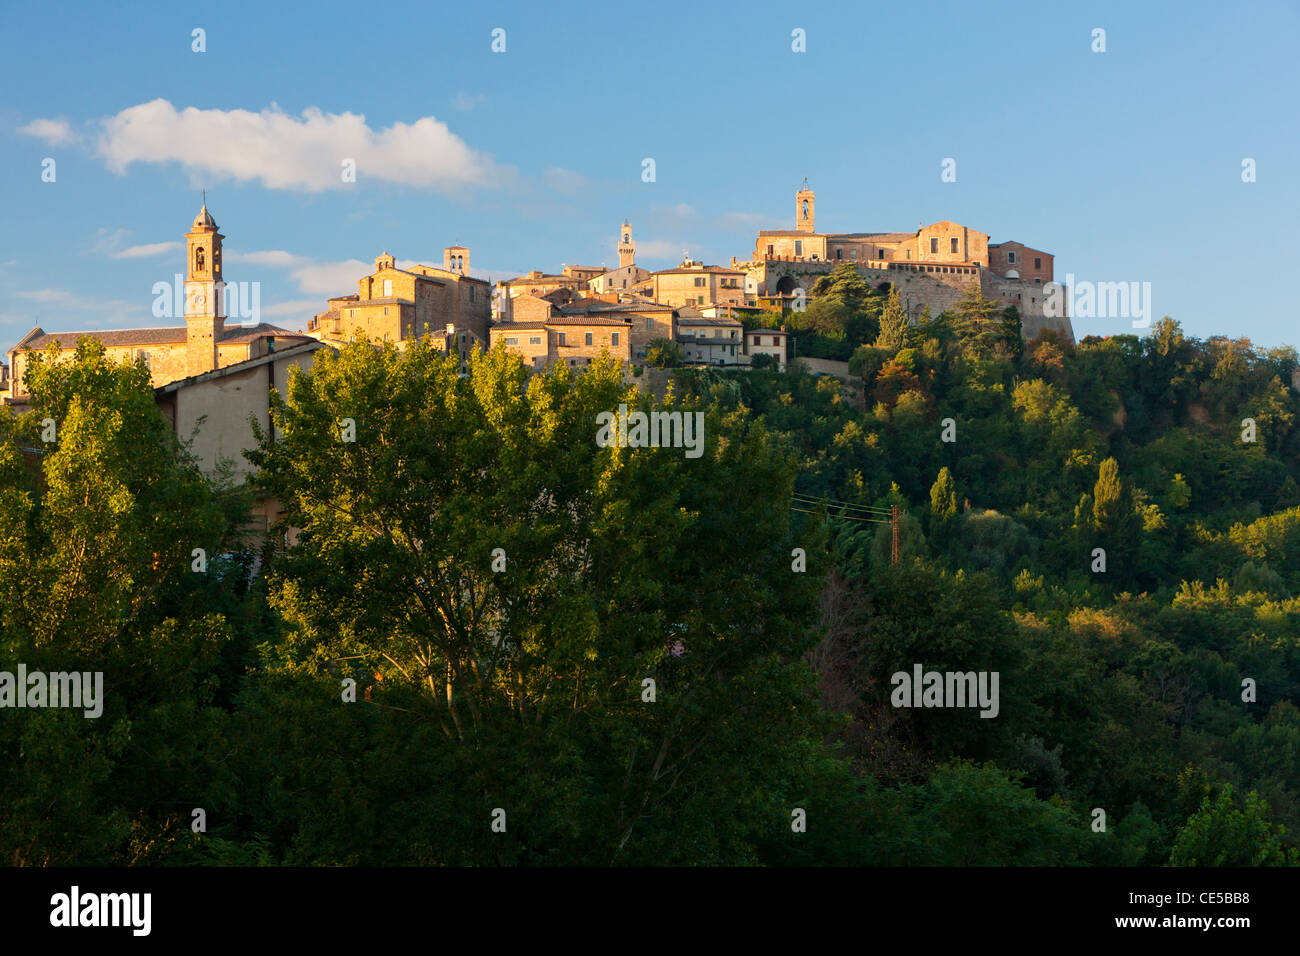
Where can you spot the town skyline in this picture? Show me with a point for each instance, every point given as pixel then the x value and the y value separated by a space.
pixel 467 156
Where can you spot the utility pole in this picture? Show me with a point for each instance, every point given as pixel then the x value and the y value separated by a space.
pixel 893 527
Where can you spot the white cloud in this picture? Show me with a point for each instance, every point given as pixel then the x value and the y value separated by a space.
pixel 741 220
pixel 300 307
pixel 295 153
pixel 330 278
pixel 56 132
pixel 661 249
pixel 148 250
pixel 108 313
pixel 564 180
pixel 275 258
pixel 466 101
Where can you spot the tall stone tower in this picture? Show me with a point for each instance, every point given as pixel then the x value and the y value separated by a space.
pixel 805 209
pixel 626 247
pixel 205 310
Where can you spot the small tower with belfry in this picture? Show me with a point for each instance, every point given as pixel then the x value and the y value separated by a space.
pixel 805 209
pixel 205 312
pixel 626 247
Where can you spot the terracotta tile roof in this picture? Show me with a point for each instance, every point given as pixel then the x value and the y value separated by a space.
pixel 699 269
pixel 169 335
pixel 68 340
pixel 881 236
pixel 245 333
pixel 597 305
pixel 586 320
pixel 507 327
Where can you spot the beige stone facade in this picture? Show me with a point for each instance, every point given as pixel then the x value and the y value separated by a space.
pixel 400 305
pixel 710 340
pixel 933 267
pixel 203 344
pixel 695 284
pixel 773 342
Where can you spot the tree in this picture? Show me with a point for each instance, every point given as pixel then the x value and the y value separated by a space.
pixel 943 502
pixel 484 559
pixel 1222 834
pixel 97 533
pixel 1115 522
pixel 664 353
pixel 893 325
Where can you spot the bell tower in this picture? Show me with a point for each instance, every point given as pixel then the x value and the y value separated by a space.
pixel 805 209
pixel 626 247
pixel 205 316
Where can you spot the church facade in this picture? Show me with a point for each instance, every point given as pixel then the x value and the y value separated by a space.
pixel 204 343
pixel 932 267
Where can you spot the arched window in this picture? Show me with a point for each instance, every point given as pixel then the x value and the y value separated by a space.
pixel 198 259
pixel 805 209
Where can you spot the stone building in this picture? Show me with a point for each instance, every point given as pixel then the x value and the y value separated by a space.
pixel 933 267
pixel 202 344
pixel 710 340
pixel 773 342
pixel 574 279
pixel 695 284
pixel 400 305
pixel 628 275
pixel 575 341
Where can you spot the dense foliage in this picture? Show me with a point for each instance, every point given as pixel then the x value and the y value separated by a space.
pixel 569 652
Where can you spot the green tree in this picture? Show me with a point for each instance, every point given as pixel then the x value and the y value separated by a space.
pixel 664 353
pixel 1221 833
pixel 893 325
pixel 515 580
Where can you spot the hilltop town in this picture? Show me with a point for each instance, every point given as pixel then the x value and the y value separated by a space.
pixel 210 376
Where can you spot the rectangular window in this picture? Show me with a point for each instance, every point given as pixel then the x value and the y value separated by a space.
pixel 510 341
pixel 1038 262
pixel 587 338
pixel 614 338
pixel 388 288
pixel 853 254
pixel 880 253
pixel 385 310
pixel 649 323
pixel 701 300
pixel 534 340
pixel 471 293
pixel 953 243
pixel 1011 257
pixel 561 337
pixel 934 245
pixel 770 249
pixel 798 247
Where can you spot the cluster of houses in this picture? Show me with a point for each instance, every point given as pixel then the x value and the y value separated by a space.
pixel 210 377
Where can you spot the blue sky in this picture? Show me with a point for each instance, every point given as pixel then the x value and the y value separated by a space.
pixel 1125 164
